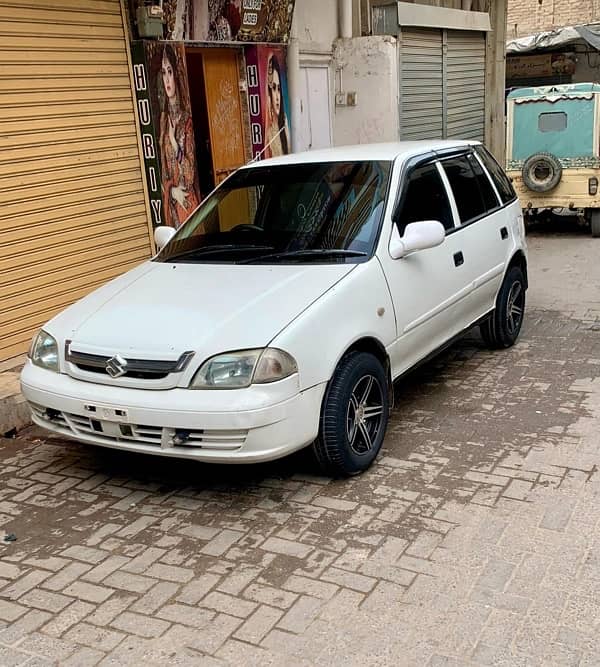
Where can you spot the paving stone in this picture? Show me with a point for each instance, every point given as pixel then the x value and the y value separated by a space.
pixel 185 615
pixel 97 638
pixel 46 600
pixel 258 624
pixel 24 584
pixel 227 604
pixel 194 591
pixel 137 624
pixel 66 576
pixel 286 547
pixel 222 542
pixel 304 611
pixel 10 611
pixel 170 573
pixel 68 617
pixel 134 583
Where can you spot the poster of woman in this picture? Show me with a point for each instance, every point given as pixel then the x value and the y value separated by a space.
pixel 171 104
pixel 277 133
pixel 268 100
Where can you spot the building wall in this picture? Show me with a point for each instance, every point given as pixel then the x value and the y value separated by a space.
pixel 367 66
pixel 316 24
pixel 526 17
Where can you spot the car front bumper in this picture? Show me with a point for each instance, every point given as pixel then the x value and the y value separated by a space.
pixel 226 426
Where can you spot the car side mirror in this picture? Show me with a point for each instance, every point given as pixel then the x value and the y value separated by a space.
pixel 417 236
pixel 162 235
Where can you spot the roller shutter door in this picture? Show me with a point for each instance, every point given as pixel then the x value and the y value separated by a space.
pixel 421 85
pixel 466 85
pixel 73 211
pixel 442 84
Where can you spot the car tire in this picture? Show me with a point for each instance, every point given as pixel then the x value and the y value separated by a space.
pixel 503 326
pixel 541 172
pixel 595 222
pixel 354 416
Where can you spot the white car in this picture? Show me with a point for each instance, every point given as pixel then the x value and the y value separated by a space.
pixel 279 315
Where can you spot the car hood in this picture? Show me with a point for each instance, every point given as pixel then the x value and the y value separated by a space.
pixel 160 310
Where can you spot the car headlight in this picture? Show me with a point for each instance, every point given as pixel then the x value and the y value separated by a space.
pixel 44 351
pixel 235 370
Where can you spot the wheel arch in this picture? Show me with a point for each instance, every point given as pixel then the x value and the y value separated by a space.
pixel 519 259
pixel 377 349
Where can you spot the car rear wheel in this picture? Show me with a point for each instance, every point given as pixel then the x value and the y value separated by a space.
pixel 503 326
pixel 354 416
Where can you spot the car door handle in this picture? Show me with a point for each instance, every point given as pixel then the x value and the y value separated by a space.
pixel 503 233
pixel 458 259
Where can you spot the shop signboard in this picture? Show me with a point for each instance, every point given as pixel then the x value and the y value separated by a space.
pixel 268 100
pixel 167 129
pixel 228 20
pixel 541 65
pixel 147 130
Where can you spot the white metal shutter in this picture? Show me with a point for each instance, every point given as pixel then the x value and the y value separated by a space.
pixel 73 210
pixel 465 100
pixel 421 84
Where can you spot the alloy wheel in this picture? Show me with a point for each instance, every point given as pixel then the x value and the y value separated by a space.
pixel 515 307
pixel 364 415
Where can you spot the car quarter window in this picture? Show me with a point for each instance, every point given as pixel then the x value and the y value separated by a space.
pixel 473 192
pixel 501 180
pixel 425 198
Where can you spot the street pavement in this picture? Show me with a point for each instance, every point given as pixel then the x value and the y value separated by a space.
pixel 472 541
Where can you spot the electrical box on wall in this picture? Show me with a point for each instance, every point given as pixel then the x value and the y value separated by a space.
pixel 150 21
pixel 345 99
pixel 340 99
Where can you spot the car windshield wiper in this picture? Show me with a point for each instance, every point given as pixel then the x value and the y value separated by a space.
pixel 209 250
pixel 308 254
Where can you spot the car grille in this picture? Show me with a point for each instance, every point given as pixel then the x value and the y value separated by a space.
pixel 141 369
pixel 158 436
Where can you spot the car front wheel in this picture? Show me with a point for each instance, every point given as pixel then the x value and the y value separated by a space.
pixel 503 326
pixel 354 415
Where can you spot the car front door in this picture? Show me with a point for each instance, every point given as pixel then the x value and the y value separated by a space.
pixel 427 286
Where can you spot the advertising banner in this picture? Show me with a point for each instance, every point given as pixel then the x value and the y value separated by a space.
pixel 268 100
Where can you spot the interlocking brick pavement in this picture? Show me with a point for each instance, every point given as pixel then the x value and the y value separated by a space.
pixel 472 541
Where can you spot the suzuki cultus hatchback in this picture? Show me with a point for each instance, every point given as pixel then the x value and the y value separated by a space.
pixel 281 312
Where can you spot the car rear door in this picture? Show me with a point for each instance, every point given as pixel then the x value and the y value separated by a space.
pixel 484 234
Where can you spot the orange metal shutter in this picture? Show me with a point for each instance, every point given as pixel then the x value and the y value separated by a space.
pixel 73 209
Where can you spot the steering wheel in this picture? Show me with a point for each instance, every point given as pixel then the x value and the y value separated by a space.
pixel 246 228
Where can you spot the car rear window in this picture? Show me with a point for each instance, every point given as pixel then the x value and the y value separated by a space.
pixel 501 180
pixel 473 192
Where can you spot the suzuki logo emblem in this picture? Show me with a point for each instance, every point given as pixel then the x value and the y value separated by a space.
pixel 116 366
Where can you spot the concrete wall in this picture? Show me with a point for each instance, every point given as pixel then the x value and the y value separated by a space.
pixel 367 66
pixel 526 17
pixel 316 23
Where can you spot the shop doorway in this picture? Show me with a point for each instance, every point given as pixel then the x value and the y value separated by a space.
pixel 213 79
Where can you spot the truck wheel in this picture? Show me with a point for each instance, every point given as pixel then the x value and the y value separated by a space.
pixel 354 416
pixel 541 172
pixel 595 222
pixel 503 326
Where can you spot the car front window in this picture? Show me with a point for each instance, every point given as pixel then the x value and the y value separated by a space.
pixel 327 212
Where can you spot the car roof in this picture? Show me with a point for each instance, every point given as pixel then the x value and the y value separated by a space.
pixel 383 151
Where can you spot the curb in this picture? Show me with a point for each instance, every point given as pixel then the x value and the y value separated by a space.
pixel 14 411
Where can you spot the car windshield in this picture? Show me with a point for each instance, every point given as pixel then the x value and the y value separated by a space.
pixel 317 212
